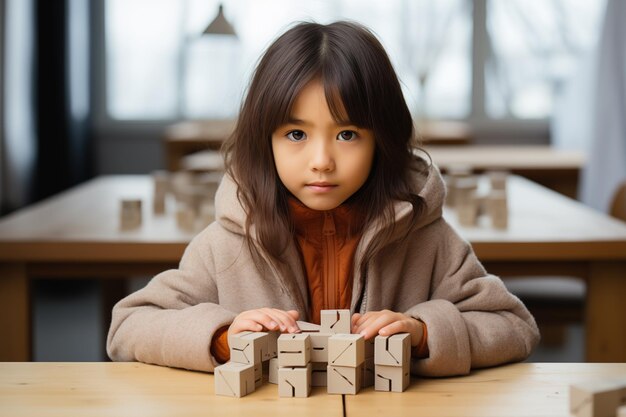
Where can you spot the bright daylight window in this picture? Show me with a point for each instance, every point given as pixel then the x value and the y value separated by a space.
pixel 158 66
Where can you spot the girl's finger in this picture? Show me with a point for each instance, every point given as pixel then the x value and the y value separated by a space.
pixel 275 320
pixel 294 314
pixel 374 326
pixel 245 324
pixel 393 328
pixel 365 325
pixel 287 319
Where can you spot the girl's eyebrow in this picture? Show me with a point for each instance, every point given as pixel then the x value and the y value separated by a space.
pixel 295 121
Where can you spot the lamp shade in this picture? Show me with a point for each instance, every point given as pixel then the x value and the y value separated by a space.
pixel 219 25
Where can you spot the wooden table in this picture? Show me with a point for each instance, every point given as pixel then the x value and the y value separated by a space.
pixel 76 234
pixel 133 389
pixel 553 168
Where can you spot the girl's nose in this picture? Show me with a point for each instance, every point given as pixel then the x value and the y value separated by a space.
pixel 321 158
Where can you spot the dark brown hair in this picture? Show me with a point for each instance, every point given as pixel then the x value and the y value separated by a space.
pixel 358 77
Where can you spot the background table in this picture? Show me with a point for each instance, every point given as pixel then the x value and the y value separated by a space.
pixel 76 234
pixel 133 389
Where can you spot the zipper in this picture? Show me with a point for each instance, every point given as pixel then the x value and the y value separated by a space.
pixel 330 279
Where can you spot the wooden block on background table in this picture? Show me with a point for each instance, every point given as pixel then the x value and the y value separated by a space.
pixel 248 347
pixel 335 321
pixel 273 371
pixel 391 378
pixel 185 216
pixel 394 350
pixel 344 379
pixel 160 180
pixel 307 327
pixel 464 188
pixel 234 379
pixel 294 382
pixel 272 345
pixel 319 346
pixel 130 213
pixel 346 350
pixel 469 210
pixel 497 209
pixel 595 398
pixel 368 372
pixel 319 374
pixel 294 350
pixel 497 180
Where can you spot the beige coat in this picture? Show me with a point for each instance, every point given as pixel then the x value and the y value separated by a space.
pixel 473 321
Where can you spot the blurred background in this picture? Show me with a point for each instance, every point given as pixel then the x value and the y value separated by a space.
pixel 101 87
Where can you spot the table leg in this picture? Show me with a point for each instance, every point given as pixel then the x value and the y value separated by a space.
pixel 605 320
pixel 15 313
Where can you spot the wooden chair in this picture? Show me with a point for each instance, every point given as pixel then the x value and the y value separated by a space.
pixel 559 301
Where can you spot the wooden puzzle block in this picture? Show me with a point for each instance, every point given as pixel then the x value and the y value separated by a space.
pixel 130 213
pixel 595 399
pixel 160 181
pixel 498 179
pixel 272 345
pixel 294 350
pixel 344 379
pixel 394 350
pixel 368 373
pixel 273 371
pixel 497 209
pixel 294 382
pixel 319 376
pixel 248 347
pixel 307 327
pixel 391 378
pixel 335 321
pixel 319 346
pixel 346 350
pixel 468 211
pixel 234 379
pixel 463 190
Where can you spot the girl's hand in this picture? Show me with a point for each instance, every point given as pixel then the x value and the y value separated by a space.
pixel 264 319
pixel 386 323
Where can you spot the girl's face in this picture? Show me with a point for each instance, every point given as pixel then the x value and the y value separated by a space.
pixel 321 162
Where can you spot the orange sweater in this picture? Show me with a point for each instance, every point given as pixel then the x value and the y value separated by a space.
pixel 327 241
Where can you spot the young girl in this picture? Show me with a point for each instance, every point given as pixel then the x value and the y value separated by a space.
pixel 326 206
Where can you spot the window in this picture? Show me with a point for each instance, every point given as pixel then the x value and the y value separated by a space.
pixel 158 66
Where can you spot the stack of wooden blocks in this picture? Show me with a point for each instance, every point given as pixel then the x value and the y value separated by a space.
pixel 604 398
pixel 244 372
pixel 469 201
pixel 321 355
pixel 392 358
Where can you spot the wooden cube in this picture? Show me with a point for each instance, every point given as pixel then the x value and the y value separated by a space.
pixel 344 379
pixel 335 321
pixel 294 382
pixel 319 376
pixel 595 399
pixel 368 372
pixel 234 379
pixel 294 350
pixel 497 209
pixel 391 378
pixel 319 346
pixel 346 350
pixel 272 345
pixel 498 179
pixel 130 213
pixel 248 347
pixel 273 377
pixel 307 327
pixel 393 350
pixel 468 211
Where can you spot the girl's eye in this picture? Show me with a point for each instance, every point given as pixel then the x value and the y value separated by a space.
pixel 347 135
pixel 296 135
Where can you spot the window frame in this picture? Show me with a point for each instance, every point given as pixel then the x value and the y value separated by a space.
pixel 485 128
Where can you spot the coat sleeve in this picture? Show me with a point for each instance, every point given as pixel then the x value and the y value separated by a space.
pixel 473 320
pixel 172 320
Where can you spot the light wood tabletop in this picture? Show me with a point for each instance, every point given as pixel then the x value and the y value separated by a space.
pixel 133 389
pixel 76 234
pixel 524 389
